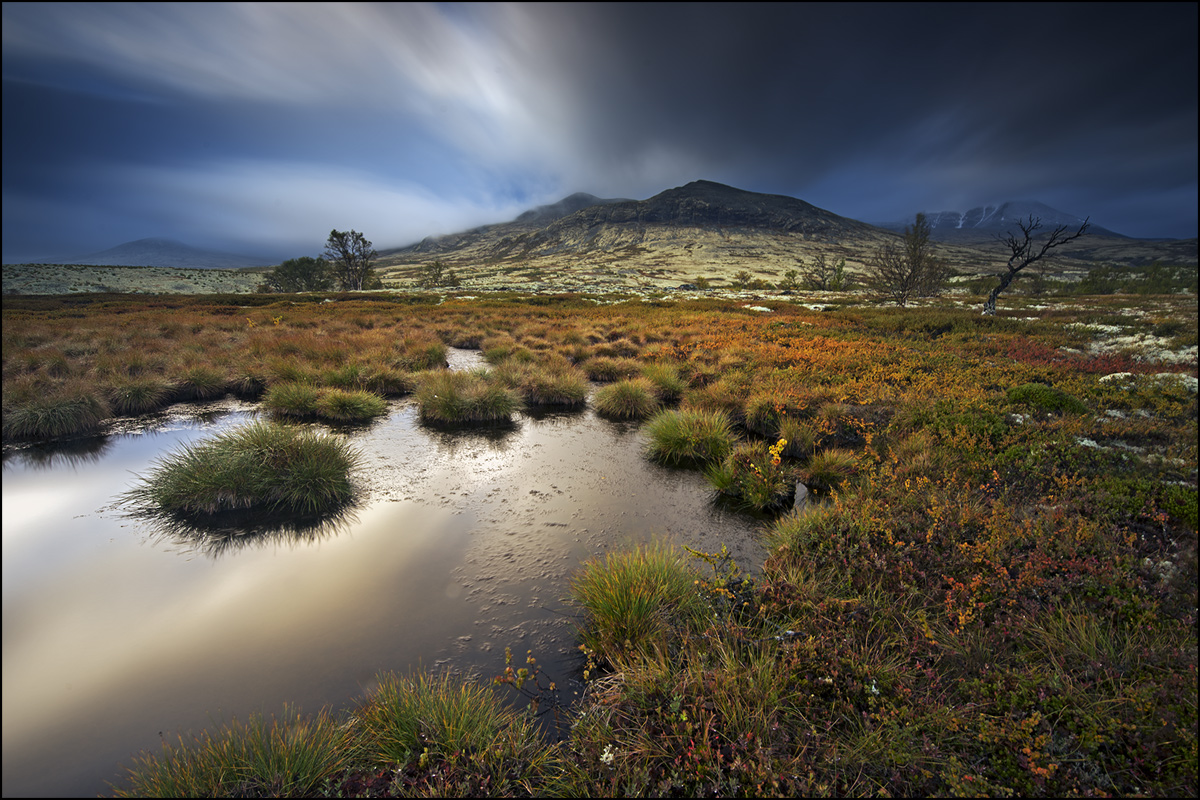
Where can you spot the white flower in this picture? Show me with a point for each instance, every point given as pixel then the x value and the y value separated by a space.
pixel 609 755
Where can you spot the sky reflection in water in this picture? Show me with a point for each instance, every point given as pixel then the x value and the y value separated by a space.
pixel 116 630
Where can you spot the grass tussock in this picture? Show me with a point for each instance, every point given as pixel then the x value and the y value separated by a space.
pixel 637 602
pixel 289 757
pixel 258 466
pixel 689 437
pixel 753 475
pixel 464 398
pixel 59 415
pixel 632 398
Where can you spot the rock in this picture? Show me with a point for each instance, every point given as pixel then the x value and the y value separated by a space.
pixel 801 501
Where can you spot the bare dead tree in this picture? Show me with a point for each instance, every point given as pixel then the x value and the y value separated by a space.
pixel 1024 251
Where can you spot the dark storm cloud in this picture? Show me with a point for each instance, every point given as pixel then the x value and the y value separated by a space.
pixel 262 123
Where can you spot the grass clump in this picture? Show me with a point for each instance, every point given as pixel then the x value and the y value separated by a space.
pixel 294 757
pixel 829 469
pixel 632 398
pixel 689 437
pixel 421 718
pixel 304 401
pixel 139 395
pixel 338 405
pixel 605 369
pixel 292 399
pixel 262 465
pixel 668 383
pixel 753 475
pixel 640 601
pixel 66 413
pixel 544 385
pixel 464 398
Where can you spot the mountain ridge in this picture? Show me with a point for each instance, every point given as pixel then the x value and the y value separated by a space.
pixel 984 223
pixel 161 252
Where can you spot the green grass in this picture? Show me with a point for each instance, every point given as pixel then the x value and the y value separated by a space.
pixel 688 437
pixel 337 405
pixel 292 757
pixel 464 398
pixel 631 398
pixel 201 383
pixel 668 383
pixel 262 465
pixel 541 385
pixel 304 401
pixel 637 602
pixel 69 412
pixel 605 369
pixel 139 395
pixel 829 469
pixel 292 399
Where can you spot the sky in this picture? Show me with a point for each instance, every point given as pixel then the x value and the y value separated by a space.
pixel 258 128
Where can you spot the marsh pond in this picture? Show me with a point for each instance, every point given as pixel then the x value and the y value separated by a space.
pixel 119 634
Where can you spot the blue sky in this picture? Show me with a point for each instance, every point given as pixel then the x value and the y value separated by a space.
pixel 257 128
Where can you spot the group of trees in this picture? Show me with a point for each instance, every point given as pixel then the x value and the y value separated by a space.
pixel 346 263
pixel 912 269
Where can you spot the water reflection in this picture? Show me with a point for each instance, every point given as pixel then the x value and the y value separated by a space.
pixel 51 455
pixel 462 545
pixel 229 531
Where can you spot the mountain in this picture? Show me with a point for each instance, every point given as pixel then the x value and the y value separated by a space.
pixel 985 223
pixel 165 253
pixel 701 214
pixel 531 220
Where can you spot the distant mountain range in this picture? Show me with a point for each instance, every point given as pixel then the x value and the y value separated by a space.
pixel 165 253
pixel 985 223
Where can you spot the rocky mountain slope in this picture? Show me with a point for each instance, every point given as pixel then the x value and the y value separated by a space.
pixel 713 231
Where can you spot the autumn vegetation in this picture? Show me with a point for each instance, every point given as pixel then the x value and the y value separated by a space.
pixel 992 591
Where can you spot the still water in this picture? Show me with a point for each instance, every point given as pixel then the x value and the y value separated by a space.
pixel 118 634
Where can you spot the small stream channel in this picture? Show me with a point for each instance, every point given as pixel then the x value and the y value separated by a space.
pixel 118 635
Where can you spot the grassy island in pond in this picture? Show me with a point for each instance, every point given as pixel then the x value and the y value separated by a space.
pixel 259 466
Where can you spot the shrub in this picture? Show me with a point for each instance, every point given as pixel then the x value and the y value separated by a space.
pixel 261 465
pixel 633 398
pixel 1046 398
pixel 637 602
pixel 689 437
